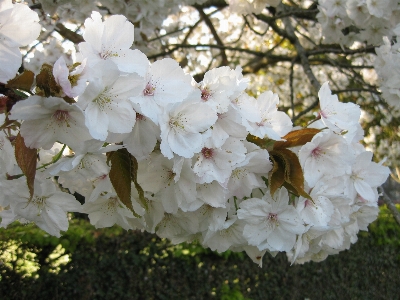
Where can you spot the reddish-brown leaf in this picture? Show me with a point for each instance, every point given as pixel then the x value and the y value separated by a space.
pixel 120 175
pixel 26 159
pixel 286 172
pixel 46 84
pixel 294 175
pixel 276 177
pixel 23 81
pixel 296 138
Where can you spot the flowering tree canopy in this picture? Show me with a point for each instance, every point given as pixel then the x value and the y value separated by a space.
pixel 245 125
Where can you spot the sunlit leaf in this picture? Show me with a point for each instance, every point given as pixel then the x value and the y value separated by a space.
pixel 296 138
pixel 262 143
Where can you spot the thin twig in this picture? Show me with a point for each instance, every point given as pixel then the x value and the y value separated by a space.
pixel 291 88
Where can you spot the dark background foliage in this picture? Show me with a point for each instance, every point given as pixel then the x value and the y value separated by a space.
pixel 116 264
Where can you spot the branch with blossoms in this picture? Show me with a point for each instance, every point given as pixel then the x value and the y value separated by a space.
pixel 151 149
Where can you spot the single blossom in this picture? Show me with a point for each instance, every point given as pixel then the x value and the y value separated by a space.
pixel 182 126
pixel 217 163
pixel 47 120
pixel 48 207
pixel 273 123
pixel 272 223
pixel 164 83
pixel 326 154
pixel 105 101
pixel 335 115
pixel 72 79
pixel 111 40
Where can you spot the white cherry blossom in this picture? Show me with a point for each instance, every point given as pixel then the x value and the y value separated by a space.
pixel 19 26
pixel 164 83
pixel 181 127
pixel 108 210
pixel 273 124
pixel 111 40
pixel 365 177
pixel 272 223
pixel 327 153
pixel 217 163
pixel 105 101
pixel 48 207
pixel 337 116
pixel 47 120
pixel 171 184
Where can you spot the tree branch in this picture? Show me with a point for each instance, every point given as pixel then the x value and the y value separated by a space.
pixel 69 34
pixel 300 51
pixel 210 25
pixel 390 205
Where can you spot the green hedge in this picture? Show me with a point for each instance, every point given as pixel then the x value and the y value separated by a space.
pixel 115 264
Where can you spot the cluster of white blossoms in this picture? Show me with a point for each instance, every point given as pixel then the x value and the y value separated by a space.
pixel 19 26
pixel 197 176
pixel 147 14
pixel 388 57
pixel 346 21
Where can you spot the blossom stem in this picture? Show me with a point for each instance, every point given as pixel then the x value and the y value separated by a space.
pixel 55 158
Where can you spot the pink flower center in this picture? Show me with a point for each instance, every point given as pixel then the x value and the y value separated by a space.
pixel 149 90
pixel 140 117
pixel 259 124
pixel 105 55
pixel 61 116
pixel 316 152
pixel 205 94
pixel 307 203
pixel 273 217
pixel 171 175
pixel 102 176
pixel 321 113
pixel 207 152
